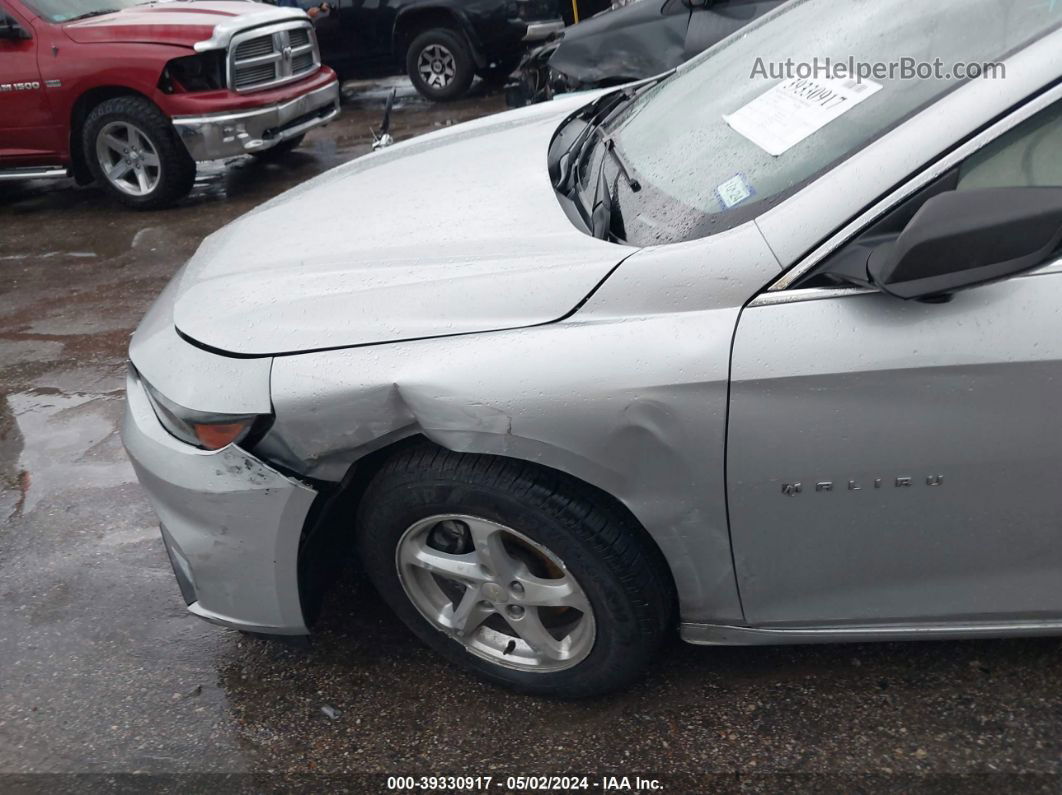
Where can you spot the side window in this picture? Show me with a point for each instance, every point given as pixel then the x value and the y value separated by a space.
pixel 12 34
pixel 1028 156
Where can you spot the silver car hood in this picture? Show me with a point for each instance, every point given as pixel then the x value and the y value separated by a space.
pixel 453 233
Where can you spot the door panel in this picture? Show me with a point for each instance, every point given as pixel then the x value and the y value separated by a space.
pixel 27 132
pixel 895 462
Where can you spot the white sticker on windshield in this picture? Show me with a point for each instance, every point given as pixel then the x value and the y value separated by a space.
pixel 796 109
pixel 734 191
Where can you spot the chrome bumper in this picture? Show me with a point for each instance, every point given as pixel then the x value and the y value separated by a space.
pixel 220 135
pixel 230 523
pixel 540 31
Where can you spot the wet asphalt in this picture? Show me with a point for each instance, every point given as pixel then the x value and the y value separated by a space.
pixel 103 672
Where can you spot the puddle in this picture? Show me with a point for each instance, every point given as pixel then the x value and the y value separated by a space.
pixel 69 441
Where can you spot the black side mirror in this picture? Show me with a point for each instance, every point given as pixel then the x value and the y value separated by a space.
pixel 961 239
pixel 9 29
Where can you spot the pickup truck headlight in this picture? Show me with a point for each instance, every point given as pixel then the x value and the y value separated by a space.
pixel 205 430
pixel 202 72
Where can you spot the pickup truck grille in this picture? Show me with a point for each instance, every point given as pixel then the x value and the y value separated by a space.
pixel 271 56
pixel 300 36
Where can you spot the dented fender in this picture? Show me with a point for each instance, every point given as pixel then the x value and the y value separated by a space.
pixel 629 394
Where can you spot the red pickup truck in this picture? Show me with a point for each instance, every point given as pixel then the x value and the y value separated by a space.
pixel 131 94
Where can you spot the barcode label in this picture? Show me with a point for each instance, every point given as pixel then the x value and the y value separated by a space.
pixel 796 109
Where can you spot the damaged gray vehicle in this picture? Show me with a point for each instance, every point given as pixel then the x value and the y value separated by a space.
pixel 757 359
pixel 630 41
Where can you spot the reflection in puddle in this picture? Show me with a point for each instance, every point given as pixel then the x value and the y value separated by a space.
pixel 68 442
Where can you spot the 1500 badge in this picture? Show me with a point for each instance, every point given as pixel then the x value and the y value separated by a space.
pixel 823 486
pixel 34 86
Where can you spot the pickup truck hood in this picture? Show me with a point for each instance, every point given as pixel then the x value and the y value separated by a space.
pixel 185 23
pixel 456 232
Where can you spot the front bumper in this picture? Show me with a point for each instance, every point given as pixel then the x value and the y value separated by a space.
pixel 230 523
pixel 542 30
pixel 216 136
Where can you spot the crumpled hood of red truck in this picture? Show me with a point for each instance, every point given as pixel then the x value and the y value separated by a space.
pixel 184 23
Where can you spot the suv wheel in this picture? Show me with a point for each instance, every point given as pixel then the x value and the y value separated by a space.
pixel 133 152
pixel 439 63
pixel 515 573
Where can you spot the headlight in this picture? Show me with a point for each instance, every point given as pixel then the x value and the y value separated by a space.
pixel 203 429
pixel 202 72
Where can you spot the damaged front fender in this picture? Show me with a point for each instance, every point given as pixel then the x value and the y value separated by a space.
pixel 607 411
pixel 632 403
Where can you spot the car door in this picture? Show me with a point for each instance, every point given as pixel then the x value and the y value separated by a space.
pixel 713 21
pixel 27 129
pixel 896 462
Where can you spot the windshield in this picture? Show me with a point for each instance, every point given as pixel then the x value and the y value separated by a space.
pixel 733 130
pixel 66 10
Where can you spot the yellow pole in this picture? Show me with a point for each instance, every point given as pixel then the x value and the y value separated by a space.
pixel 575 10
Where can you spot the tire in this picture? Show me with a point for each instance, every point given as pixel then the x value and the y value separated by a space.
pixel 281 150
pixel 439 62
pixel 570 539
pixel 168 169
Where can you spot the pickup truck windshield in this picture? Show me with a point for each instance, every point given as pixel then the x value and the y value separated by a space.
pixel 66 10
pixel 713 158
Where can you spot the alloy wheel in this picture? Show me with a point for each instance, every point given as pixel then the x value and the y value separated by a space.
pixel 128 158
pixel 504 597
pixel 436 66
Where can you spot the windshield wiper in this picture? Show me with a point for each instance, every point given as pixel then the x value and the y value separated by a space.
pixel 610 149
pixel 606 219
pixel 572 158
pixel 570 161
pixel 98 13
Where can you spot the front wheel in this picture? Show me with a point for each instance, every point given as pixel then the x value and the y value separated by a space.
pixel 516 573
pixel 135 155
pixel 440 65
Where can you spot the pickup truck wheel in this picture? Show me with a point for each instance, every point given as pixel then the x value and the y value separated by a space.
pixel 518 574
pixel 133 152
pixel 281 150
pixel 440 64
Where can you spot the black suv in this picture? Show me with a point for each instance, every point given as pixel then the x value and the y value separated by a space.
pixel 441 44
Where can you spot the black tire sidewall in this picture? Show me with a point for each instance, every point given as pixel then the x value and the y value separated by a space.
pixel 177 169
pixel 464 67
pixel 619 652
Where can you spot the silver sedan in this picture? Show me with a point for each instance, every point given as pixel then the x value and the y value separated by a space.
pixel 764 350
